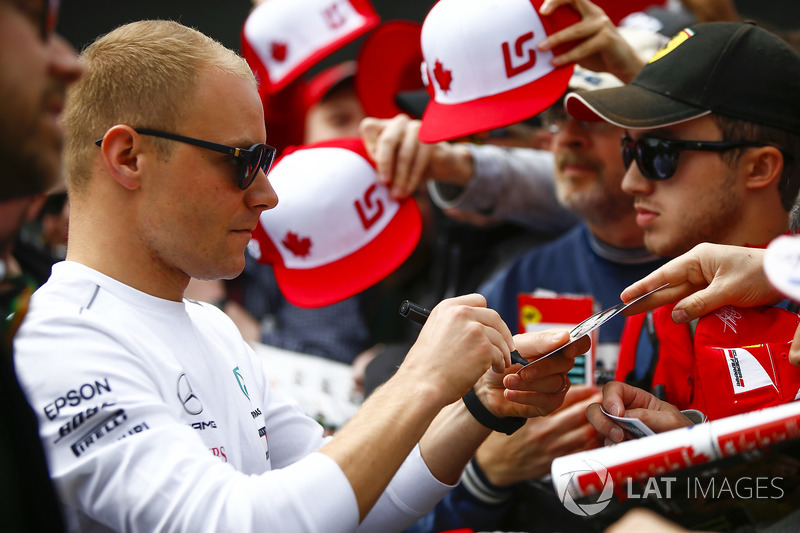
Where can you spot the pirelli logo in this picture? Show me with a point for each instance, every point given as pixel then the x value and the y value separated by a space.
pixel 99 431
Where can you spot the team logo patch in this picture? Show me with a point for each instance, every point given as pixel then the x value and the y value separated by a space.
pixel 530 314
pixel 519 53
pixel 746 371
pixel 679 38
pixel 240 381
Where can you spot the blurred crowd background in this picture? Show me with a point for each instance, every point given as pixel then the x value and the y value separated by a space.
pixel 80 22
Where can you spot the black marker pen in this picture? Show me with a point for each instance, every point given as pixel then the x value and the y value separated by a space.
pixel 419 314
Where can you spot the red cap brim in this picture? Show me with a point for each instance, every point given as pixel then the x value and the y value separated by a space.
pixel 388 63
pixel 331 283
pixel 445 122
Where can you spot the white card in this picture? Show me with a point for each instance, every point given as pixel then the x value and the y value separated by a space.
pixel 633 427
pixel 594 322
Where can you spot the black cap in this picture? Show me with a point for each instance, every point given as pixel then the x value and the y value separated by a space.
pixel 734 69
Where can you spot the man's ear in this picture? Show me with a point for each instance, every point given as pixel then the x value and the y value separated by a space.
pixel 764 166
pixel 121 151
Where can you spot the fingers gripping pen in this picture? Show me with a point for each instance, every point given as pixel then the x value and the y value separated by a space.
pixel 419 314
pixel 508 424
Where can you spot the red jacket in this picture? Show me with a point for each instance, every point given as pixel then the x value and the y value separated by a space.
pixel 731 361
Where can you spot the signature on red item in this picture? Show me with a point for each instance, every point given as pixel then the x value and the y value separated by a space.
pixel 728 315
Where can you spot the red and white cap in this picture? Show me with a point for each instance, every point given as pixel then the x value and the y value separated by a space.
pixel 336 231
pixel 482 66
pixel 388 64
pixel 281 39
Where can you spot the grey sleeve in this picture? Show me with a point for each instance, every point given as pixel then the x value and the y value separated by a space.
pixel 514 184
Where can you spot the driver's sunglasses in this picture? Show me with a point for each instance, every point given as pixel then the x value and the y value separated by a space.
pixel 657 159
pixel 258 156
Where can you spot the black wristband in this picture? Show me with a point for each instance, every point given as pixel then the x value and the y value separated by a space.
pixel 507 425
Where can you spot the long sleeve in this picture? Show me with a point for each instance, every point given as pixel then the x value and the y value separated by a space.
pixel 515 184
pixel 157 416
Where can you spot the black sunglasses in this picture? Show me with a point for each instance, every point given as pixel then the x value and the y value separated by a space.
pixel 259 155
pixel 657 159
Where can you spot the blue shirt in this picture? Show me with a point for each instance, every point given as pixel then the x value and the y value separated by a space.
pixel 575 263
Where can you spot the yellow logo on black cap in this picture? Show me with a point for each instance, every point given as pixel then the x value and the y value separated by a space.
pixel 673 43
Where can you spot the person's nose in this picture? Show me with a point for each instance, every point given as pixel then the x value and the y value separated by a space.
pixel 260 194
pixel 64 62
pixel 634 182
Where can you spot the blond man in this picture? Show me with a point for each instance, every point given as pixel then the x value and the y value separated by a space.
pixel 154 413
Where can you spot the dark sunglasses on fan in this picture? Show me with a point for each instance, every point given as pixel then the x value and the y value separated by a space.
pixel 249 160
pixel 657 159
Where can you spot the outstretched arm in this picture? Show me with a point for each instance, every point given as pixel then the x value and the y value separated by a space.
pixel 703 279
pixel 539 390
pixel 528 453
pixel 404 162
pixel 600 46
pixel 463 345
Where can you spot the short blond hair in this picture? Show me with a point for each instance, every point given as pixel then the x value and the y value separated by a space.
pixel 142 74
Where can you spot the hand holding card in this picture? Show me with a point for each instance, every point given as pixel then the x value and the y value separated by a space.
pixel 594 322
pixel 633 427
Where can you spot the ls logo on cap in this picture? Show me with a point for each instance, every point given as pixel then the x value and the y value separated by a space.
pixel 365 205
pixel 512 70
pixel 333 16
pixel 679 38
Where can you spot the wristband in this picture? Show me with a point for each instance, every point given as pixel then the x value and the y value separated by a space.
pixel 507 425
